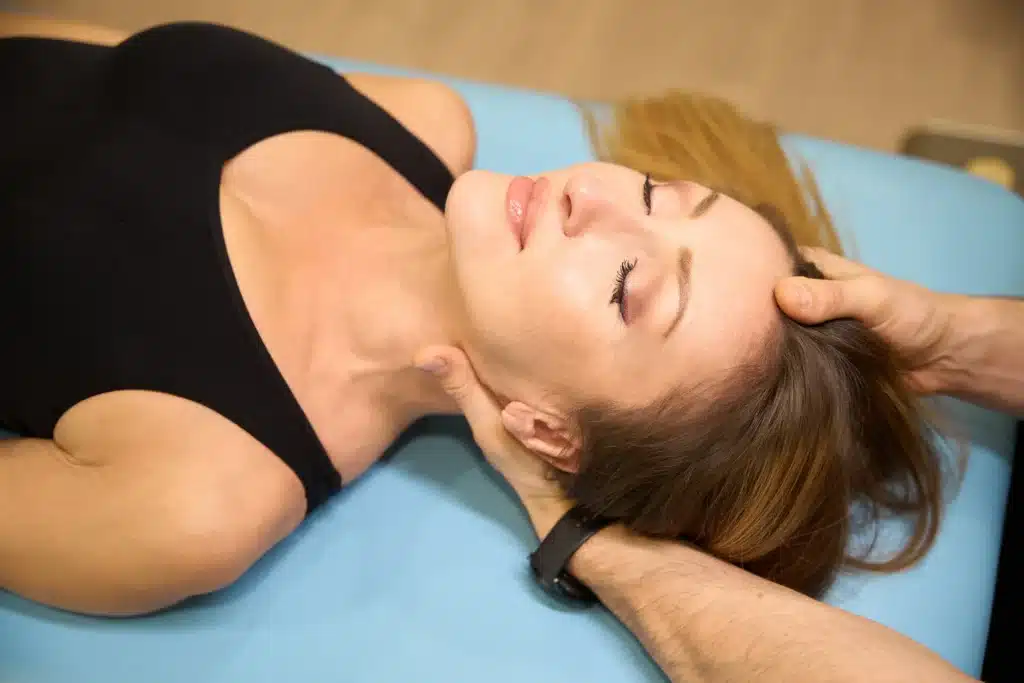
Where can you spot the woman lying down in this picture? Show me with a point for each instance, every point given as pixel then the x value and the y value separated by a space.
pixel 219 261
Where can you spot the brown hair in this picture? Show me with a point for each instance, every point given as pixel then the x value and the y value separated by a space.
pixel 815 437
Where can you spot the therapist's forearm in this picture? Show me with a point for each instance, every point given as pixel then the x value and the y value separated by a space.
pixel 704 621
pixel 987 353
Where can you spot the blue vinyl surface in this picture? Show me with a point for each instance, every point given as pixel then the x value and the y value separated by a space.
pixel 417 572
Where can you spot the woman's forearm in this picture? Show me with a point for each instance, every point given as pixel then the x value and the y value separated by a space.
pixel 987 353
pixel 705 621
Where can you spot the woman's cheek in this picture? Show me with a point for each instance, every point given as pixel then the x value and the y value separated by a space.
pixel 575 293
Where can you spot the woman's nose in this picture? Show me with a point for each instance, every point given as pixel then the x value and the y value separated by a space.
pixel 586 204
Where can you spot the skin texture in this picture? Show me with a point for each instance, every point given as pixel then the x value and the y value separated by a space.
pixel 130 465
pixel 63 542
pixel 704 620
pixel 542 329
pixel 344 332
pixel 701 619
pixel 959 345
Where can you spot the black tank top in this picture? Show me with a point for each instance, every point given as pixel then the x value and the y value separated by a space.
pixel 113 268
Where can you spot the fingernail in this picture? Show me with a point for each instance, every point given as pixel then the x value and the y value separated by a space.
pixel 435 366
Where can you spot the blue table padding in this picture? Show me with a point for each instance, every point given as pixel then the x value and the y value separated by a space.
pixel 417 572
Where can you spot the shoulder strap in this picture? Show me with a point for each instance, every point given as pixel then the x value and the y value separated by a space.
pixel 226 90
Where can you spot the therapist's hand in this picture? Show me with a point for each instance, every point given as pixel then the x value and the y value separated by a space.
pixel 917 322
pixel 528 475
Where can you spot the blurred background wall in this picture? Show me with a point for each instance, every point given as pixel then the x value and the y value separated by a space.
pixel 858 71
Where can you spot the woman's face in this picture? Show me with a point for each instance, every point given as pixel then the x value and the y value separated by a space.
pixel 576 288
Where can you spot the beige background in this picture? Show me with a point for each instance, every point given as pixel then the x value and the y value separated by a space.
pixel 860 71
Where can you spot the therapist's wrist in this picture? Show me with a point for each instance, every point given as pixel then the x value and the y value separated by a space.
pixel 968 317
pixel 602 555
pixel 614 561
pixel 545 509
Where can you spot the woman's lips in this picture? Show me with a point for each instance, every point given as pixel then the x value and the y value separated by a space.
pixel 517 204
pixel 524 201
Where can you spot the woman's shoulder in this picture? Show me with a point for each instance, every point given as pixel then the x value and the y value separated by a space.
pixel 28 26
pixel 434 112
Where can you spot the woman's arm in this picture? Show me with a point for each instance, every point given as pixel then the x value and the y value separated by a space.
pixel 432 111
pixel 24 25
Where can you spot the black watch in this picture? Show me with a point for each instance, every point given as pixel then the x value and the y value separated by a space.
pixel 549 560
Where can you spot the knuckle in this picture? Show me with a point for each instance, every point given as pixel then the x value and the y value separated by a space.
pixel 456 385
pixel 455 390
pixel 832 298
pixel 833 306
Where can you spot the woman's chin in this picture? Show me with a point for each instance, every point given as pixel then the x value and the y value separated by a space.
pixel 477 219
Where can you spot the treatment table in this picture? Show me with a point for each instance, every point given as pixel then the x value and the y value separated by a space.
pixel 418 571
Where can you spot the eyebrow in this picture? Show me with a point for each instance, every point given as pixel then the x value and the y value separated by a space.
pixel 705 204
pixel 686 262
pixel 683 273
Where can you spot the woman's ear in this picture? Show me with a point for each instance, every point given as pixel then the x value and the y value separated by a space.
pixel 546 434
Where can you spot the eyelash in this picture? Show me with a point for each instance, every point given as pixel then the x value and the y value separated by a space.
pixel 619 295
pixel 648 189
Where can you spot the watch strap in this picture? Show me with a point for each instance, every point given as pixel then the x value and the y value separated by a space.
pixel 550 559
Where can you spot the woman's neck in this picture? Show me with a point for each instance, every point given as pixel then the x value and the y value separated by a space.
pixel 397 296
